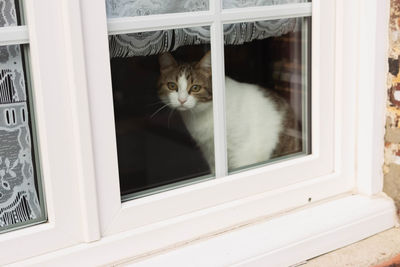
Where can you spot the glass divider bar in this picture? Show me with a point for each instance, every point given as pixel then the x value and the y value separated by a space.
pixel 218 83
pixel 266 12
pixel 14 35
pixel 305 85
pixel 158 22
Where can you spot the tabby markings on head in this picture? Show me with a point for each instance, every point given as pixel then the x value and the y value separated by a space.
pixel 184 86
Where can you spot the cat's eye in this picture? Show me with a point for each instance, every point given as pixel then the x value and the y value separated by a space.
pixel 172 86
pixel 195 88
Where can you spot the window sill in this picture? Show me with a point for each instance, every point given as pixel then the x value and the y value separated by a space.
pixel 288 239
pixel 280 241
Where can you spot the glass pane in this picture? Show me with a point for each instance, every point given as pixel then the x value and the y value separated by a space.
pixel 129 8
pixel 163 109
pixel 267 91
pixel 21 198
pixel 251 3
pixel 10 13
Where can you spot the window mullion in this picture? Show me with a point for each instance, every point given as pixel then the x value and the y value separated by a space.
pixel 14 35
pixel 126 25
pixel 269 12
pixel 218 74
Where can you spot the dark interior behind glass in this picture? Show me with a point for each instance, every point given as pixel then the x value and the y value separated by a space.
pixel 154 148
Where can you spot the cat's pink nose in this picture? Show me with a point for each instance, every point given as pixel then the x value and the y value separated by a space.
pixel 182 101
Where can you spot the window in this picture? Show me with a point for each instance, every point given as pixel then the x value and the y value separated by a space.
pixel 163 144
pixel 36 114
pixel 128 147
pixel 21 195
pixel 101 149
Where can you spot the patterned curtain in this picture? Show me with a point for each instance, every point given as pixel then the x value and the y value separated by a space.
pixel 18 197
pixel 155 42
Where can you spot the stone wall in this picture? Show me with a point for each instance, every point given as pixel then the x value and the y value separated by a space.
pixel 392 137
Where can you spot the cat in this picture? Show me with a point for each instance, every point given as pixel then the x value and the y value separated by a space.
pixel 257 120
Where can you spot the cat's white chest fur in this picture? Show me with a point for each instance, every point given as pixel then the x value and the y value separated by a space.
pixel 253 124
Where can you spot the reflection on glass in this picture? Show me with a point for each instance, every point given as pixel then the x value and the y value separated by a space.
pixel 21 198
pixel 129 8
pixel 164 119
pixel 252 3
pixel 267 92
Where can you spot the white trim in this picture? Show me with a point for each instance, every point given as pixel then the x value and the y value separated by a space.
pixel 172 21
pixel 157 22
pixel 218 70
pixel 346 44
pixel 280 241
pixel 14 35
pixel 116 217
pixel 180 217
pixel 82 125
pixel 289 239
pixel 57 145
pixel 373 68
pixel 272 12
pixel 101 109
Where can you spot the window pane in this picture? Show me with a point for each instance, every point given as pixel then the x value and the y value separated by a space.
pixel 21 198
pixel 10 14
pixel 251 3
pixel 163 109
pixel 267 90
pixel 129 8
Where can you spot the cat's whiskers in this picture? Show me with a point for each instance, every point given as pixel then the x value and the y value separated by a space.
pixel 158 110
pixel 155 103
pixel 193 114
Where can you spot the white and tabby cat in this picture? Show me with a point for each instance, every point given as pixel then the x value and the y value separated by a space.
pixel 256 119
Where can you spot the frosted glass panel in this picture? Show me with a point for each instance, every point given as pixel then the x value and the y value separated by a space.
pixel 132 8
pixel 10 14
pixel 21 198
pixel 252 3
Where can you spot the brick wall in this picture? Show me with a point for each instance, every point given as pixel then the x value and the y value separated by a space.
pixel 392 137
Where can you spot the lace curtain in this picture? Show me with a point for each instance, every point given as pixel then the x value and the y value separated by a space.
pixel 155 42
pixel 18 197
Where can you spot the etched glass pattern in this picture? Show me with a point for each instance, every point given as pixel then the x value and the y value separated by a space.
pixel 21 199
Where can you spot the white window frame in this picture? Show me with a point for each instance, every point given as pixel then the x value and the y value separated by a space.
pixel 143 227
pixel 60 147
pixel 116 217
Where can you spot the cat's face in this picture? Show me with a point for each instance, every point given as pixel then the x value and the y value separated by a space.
pixel 185 86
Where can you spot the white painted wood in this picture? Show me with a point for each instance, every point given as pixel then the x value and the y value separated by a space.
pixel 280 241
pixel 116 217
pixel 98 75
pixel 289 239
pixel 82 125
pixel 191 19
pixel 176 217
pixel 199 196
pixel 218 82
pixel 372 60
pixel 346 67
pixel 158 22
pixel 14 35
pixel 271 12
pixel 57 143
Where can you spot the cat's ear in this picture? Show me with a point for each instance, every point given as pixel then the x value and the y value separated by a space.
pixel 166 61
pixel 205 62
